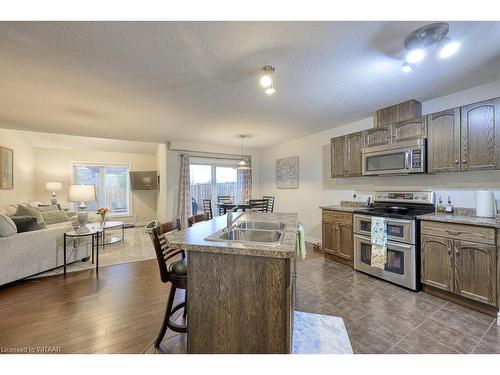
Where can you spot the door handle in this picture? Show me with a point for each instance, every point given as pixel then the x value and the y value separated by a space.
pixel 457 161
pixel 464 161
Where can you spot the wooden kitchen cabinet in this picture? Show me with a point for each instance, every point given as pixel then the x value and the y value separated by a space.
pixel 443 142
pixel 380 135
pixel 354 144
pixel 409 129
pixel 480 135
pixel 437 262
pixel 346 155
pixel 338 157
pixel 475 271
pixel 399 112
pixel 460 259
pixel 338 235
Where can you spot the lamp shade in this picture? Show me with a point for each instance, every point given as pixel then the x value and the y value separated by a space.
pixel 53 186
pixel 81 193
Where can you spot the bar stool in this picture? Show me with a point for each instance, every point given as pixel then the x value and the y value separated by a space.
pixel 196 219
pixel 173 271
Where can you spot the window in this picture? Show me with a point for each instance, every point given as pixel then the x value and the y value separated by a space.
pixel 208 181
pixel 111 185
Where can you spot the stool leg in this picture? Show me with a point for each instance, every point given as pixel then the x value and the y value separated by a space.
pixel 164 325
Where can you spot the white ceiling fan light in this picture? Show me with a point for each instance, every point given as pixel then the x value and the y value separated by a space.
pixel 447 47
pixel 270 90
pixel 266 81
pixel 407 67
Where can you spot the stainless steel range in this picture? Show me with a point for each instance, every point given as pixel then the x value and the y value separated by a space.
pixel 400 210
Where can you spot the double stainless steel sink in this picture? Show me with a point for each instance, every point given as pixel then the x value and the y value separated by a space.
pixel 257 232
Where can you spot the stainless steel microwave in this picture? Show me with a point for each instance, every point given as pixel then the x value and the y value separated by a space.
pixel 395 158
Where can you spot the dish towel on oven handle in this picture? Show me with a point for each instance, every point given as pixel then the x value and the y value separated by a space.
pixel 379 242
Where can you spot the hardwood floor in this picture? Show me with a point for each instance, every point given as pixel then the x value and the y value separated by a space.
pixel 121 311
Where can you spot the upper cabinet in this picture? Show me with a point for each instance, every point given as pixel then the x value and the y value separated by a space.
pixel 346 155
pixel 443 142
pixel 480 131
pixel 465 139
pixel 399 112
pixel 380 135
pixel 409 129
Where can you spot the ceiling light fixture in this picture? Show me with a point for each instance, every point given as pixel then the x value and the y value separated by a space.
pixel 448 47
pixel 406 67
pixel 415 56
pixel 424 37
pixel 243 165
pixel 266 80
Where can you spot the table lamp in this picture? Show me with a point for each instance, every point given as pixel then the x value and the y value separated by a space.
pixel 53 187
pixel 82 194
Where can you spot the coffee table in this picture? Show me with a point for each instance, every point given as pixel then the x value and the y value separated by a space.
pixel 109 225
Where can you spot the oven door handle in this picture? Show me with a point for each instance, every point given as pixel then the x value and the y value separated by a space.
pixel 392 244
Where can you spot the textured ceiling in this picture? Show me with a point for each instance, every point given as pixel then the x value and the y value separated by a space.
pixel 198 81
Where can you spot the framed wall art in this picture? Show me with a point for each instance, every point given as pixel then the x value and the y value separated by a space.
pixel 287 173
pixel 6 168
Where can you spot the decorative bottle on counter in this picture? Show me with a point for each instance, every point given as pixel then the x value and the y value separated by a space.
pixel 440 207
pixel 449 208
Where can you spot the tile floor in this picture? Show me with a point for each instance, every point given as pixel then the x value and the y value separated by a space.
pixel 383 318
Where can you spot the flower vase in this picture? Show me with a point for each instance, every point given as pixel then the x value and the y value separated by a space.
pixel 103 221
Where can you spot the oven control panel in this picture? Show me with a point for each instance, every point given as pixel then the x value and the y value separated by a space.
pixel 426 197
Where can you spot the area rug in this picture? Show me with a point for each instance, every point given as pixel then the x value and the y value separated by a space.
pixel 136 246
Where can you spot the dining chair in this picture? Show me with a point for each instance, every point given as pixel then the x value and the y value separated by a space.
pixel 259 205
pixel 196 219
pixel 223 199
pixel 270 202
pixel 207 208
pixel 172 270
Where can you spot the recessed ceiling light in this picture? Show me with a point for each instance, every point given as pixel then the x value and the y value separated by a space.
pixel 447 47
pixel 415 56
pixel 407 67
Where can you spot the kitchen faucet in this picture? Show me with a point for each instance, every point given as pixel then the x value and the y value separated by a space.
pixel 229 218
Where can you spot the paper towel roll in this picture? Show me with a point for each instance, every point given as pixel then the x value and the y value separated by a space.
pixel 485 203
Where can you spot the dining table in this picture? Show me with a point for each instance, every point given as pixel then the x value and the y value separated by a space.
pixel 227 205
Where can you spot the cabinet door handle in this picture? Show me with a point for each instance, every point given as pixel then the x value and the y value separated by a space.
pixel 464 161
pixel 457 161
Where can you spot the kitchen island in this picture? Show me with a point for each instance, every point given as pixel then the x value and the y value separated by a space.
pixel 240 294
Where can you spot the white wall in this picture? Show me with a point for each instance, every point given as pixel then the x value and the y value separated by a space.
pixel 56 165
pixel 24 163
pixel 161 197
pixel 173 169
pixel 316 187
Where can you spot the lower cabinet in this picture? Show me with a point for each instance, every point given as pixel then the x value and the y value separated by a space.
pixel 457 265
pixel 337 234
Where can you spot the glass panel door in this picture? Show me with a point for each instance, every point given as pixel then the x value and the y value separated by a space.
pixel 201 186
pixel 225 179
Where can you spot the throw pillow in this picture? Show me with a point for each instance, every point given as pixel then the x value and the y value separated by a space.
pixel 25 223
pixel 7 226
pixel 54 217
pixel 32 212
pixel 44 208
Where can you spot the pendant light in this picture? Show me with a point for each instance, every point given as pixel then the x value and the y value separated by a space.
pixel 267 80
pixel 243 165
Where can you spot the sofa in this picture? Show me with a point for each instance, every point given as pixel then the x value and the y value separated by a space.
pixel 29 253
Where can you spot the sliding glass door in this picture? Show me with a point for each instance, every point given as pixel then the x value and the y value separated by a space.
pixel 210 180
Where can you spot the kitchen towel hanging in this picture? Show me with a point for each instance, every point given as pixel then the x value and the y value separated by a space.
pixel 379 242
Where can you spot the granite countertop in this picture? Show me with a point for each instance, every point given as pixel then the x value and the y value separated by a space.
pixel 345 206
pixel 463 219
pixel 193 239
